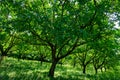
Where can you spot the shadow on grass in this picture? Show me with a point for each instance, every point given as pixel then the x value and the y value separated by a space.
pixel 38 76
pixel 44 76
pixel 29 70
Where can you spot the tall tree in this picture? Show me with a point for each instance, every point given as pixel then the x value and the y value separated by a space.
pixel 84 56
pixel 6 43
pixel 105 49
pixel 60 24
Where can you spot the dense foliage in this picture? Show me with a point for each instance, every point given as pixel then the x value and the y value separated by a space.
pixel 51 30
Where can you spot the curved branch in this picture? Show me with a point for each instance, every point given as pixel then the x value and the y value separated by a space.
pixel 90 22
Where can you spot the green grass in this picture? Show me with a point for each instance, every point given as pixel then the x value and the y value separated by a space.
pixel 12 69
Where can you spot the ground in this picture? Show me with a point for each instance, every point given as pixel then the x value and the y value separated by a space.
pixel 12 69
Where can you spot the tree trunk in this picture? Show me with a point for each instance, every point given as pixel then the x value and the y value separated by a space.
pixel 41 62
pixel 74 64
pixel 52 68
pixel 84 69
pixel 96 70
pixel 105 69
pixel 101 69
pixel 1 58
pixel 3 54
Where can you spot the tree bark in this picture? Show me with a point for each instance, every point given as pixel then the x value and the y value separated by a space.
pixel 1 59
pixel 96 70
pixel 52 68
pixel 84 69
pixel 101 69
pixel 74 64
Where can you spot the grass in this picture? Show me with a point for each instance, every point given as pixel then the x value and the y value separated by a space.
pixel 12 69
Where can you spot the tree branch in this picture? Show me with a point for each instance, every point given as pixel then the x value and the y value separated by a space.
pixel 90 22
pixel 60 49
pixel 38 36
pixel 70 50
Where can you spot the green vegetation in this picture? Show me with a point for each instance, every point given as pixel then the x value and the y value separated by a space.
pixel 12 69
pixel 79 33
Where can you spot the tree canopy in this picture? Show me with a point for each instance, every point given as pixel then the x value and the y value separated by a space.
pixel 61 26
